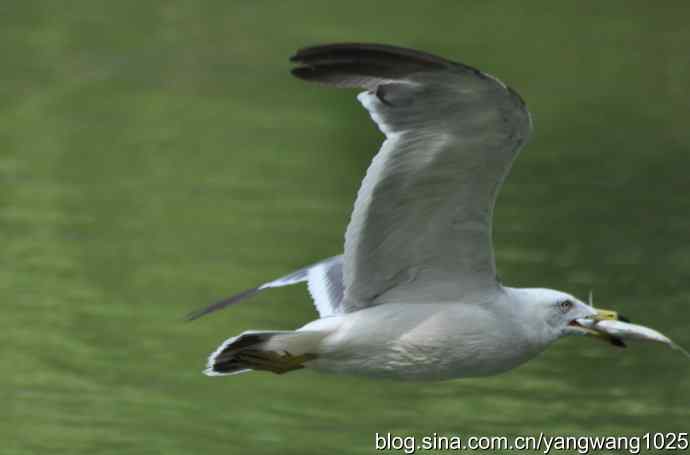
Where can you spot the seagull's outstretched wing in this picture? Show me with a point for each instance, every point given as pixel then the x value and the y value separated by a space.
pixel 324 280
pixel 421 225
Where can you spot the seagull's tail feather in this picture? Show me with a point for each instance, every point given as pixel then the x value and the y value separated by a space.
pixel 277 351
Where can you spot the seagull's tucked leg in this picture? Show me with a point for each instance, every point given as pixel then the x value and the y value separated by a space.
pixel 275 351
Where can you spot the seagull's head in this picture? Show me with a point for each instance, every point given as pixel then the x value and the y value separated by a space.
pixel 559 312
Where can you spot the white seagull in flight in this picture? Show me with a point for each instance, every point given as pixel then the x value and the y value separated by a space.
pixel 415 294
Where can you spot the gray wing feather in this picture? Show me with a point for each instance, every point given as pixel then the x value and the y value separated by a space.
pixel 421 225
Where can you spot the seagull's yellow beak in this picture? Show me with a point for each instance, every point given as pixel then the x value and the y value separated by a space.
pixel 606 315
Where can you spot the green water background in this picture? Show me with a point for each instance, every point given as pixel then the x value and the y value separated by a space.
pixel 155 156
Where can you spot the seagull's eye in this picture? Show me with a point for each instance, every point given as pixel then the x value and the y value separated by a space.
pixel 565 306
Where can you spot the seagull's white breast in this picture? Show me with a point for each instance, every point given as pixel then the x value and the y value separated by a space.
pixel 425 341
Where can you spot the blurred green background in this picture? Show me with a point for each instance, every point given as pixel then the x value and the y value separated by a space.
pixel 156 156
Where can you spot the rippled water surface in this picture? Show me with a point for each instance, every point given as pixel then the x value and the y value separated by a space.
pixel 156 156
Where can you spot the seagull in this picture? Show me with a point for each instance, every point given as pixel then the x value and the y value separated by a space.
pixel 415 296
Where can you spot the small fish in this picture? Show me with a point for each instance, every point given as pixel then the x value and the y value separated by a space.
pixel 625 330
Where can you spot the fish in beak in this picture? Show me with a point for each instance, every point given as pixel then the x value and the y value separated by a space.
pixel 611 327
pixel 589 327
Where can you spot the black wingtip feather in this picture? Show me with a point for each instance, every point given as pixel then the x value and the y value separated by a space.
pixel 358 51
pixel 360 64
